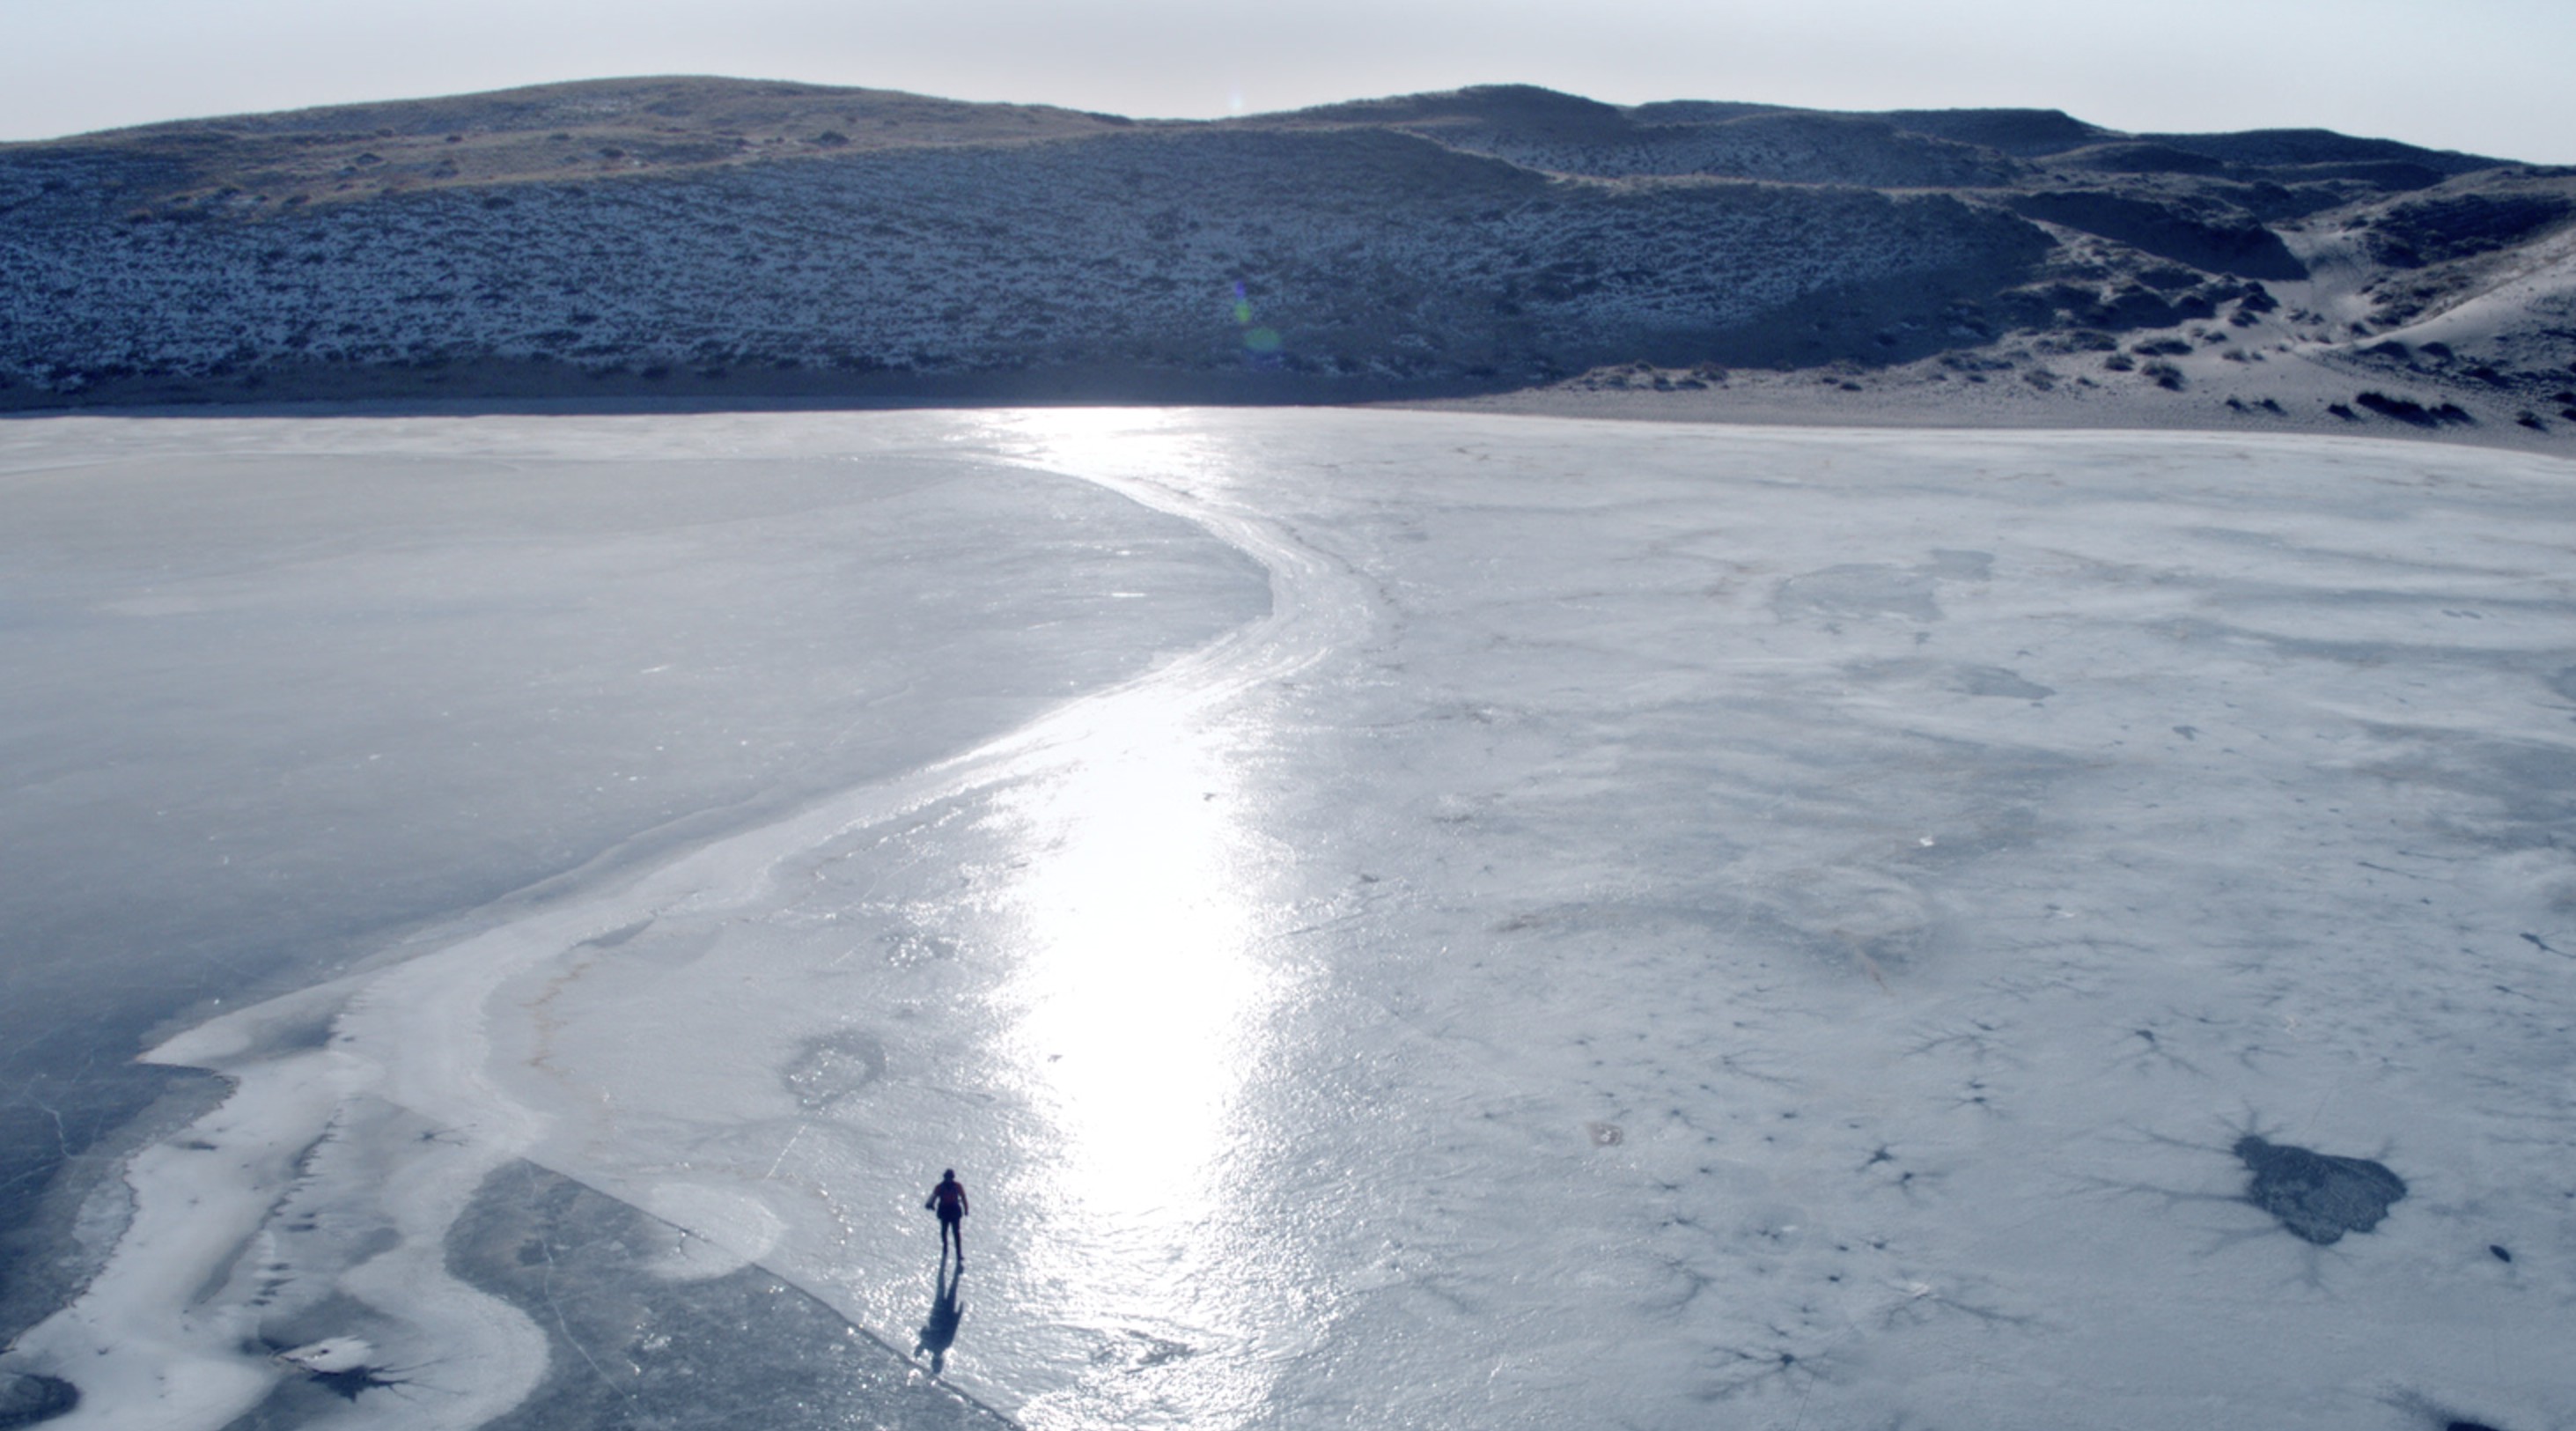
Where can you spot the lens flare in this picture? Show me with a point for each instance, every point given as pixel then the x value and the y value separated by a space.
pixel 1261 344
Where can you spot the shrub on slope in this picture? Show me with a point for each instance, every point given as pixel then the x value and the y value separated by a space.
pixel 1363 255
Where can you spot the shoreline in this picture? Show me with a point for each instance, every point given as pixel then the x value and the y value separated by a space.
pixel 2301 398
pixel 2283 391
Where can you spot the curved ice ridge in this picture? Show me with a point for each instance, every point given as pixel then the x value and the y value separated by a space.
pixel 385 1126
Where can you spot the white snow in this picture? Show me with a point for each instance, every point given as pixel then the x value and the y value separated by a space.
pixel 1657 926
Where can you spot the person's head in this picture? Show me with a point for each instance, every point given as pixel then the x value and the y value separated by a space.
pixel 948 1176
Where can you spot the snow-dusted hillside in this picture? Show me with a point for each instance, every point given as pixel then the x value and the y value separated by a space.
pixel 1359 254
pixel 736 240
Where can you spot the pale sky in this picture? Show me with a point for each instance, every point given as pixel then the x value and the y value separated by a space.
pixel 2490 76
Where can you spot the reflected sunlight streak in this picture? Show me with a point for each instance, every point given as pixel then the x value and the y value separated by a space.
pixel 1146 990
pixel 1136 1005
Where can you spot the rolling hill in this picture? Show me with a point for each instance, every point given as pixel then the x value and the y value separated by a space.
pixel 740 241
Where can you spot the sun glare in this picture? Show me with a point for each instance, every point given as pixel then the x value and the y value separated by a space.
pixel 1143 996
pixel 1135 1006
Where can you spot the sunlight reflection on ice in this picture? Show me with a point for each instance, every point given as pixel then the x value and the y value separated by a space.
pixel 1647 919
pixel 1124 449
pixel 1137 1008
pixel 1143 998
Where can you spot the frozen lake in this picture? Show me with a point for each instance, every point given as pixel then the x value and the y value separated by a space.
pixel 1399 919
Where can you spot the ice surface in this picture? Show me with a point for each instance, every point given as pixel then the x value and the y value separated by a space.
pixel 1654 927
pixel 272 696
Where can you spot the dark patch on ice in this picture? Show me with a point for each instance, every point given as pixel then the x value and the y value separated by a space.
pixel 1966 680
pixel 2501 1255
pixel 2467 1426
pixel 631 1348
pixel 1962 566
pixel 2370 654
pixel 831 1068
pixel 27 1399
pixel 1859 591
pixel 1996 681
pixel 2532 784
pixel 347 1382
pixel 2535 782
pixel 316 1393
pixel 2318 1196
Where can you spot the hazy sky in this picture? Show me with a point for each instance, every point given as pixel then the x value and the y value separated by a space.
pixel 2484 75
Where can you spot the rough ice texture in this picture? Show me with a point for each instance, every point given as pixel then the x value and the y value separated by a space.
pixel 269 709
pixel 1648 926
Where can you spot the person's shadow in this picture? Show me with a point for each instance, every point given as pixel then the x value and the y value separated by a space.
pixel 939 1332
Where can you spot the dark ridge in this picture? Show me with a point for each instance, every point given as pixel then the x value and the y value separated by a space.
pixel 2136 157
pixel 570 104
pixel 2439 229
pixel 2220 243
pixel 2028 133
pixel 2273 148
pixel 1777 146
pixel 1700 111
pixel 1523 108
pixel 2394 176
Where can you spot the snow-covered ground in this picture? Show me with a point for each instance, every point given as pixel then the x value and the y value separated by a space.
pixel 1654 927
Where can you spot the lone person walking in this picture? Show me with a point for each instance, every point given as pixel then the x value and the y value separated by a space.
pixel 949 1201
